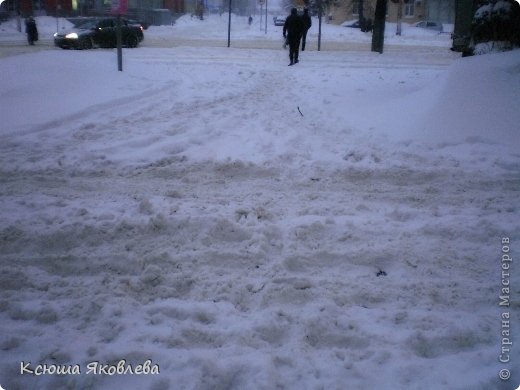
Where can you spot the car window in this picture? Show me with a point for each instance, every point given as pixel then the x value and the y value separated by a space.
pixel 106 23
pixel 88 24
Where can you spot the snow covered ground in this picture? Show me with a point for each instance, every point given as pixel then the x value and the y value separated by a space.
pixel 247 225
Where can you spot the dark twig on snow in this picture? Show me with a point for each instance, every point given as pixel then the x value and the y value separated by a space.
pixel 381 273
pixel 300 111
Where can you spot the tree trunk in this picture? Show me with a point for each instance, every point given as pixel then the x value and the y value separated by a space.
pixel 378 36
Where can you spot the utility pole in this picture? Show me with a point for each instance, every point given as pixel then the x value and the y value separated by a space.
pixel 119 44
pixel 399 17
pixel 58 9
pixel 261 2
pixel 18 18
pixel 266 16
pixel 320 12
pixel 229 26
pixel 361 16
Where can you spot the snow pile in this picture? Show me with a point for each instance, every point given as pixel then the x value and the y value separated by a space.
pixel 457 112
pixel 458 107
pixel 215 26
pixel 47 26
pixel 247 225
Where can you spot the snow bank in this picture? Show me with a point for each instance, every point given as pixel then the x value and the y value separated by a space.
pixel 47 26
pixel 62 74
pixel 462 107
pixel 215 26
pixel 459 106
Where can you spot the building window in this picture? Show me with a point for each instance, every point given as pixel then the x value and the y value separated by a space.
pixel 409 9
pixel 355 7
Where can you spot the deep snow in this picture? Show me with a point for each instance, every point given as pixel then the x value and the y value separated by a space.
pixel 185 211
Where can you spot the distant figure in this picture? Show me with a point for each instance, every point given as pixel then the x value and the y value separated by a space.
pixel 307 23
pixel 293 30
pixel 31 30
pixel 250 20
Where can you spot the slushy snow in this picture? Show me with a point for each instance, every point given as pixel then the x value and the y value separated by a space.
pixel 242 224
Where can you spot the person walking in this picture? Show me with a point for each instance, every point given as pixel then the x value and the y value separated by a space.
pixel 293 30
pixel 307 23
pixel 31 30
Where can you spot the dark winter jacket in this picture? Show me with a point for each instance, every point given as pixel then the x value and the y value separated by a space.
pixel 293 26
pixel 307 21
pixel 31 30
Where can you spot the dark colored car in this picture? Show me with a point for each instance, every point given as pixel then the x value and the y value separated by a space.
pixel 352 24
pixel 100 33
pixel 367 27
pixel 144 25
pixel 430 25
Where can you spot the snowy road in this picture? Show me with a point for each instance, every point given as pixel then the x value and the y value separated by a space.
pixel 16 47
pixel 191 215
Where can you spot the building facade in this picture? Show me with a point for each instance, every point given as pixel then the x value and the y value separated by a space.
pixel 144 9
pixel 412 11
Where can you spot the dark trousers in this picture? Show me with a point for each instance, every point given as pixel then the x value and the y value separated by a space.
pixel 294 49
pixel 32 36
pixel 304 38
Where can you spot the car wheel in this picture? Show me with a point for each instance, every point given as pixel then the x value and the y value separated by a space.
pixel 132 41
pixel 86 44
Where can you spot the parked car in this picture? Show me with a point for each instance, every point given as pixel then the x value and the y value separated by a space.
pixel 429 25
pixel 352 24
pixel 357 24
pixel 144 25
pixel 279 20
pixel 99 33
